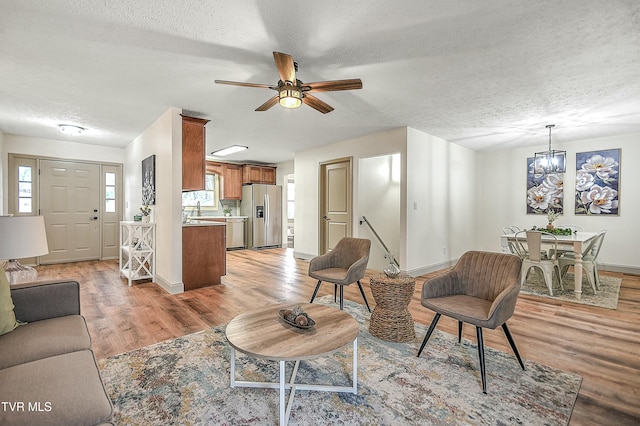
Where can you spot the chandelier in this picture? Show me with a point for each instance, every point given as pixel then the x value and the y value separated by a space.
pixel 551 161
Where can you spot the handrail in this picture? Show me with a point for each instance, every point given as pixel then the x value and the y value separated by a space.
pixel 386 249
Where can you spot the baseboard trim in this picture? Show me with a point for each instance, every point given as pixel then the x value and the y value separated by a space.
pixel 303 256
pixel 632 270
pixel 171 288
pixel 447 264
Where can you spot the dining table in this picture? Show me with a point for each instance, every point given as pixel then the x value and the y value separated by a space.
pixel 577 241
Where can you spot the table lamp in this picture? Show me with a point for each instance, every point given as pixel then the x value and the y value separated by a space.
pixel 21 237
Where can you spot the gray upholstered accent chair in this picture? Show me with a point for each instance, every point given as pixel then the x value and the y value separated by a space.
pixel 345 264
pixel 482 289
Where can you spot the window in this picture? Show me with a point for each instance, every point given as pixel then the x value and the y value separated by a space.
pixel 207 198
pixel 110 192
pixel 25 189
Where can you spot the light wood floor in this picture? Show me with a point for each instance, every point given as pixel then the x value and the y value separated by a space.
pixel 601 345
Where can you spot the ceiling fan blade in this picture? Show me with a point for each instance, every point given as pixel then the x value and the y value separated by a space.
pixel 316 103
pixel 333 85
pixel 286 67
pixel 236 83
pixel 271 102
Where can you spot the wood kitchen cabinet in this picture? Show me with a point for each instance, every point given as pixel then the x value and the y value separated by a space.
pixel 204 251
pixel 193 153
pixel 231 179
pixel 258 174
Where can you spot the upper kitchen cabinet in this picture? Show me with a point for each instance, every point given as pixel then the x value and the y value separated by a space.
pixel 258 174
pixel 193 153
pixel 231 178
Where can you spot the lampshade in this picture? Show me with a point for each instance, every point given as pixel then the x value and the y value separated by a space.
pixel 22 236
pixel 551 161
pixel 290 96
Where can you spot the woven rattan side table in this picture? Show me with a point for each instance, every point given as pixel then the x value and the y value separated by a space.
pixel 391 319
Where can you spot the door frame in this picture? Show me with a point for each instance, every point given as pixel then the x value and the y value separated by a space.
pixel 12 186
pixel 322 224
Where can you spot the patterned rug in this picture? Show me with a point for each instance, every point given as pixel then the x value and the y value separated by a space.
pixel 606 296
pixel 185 381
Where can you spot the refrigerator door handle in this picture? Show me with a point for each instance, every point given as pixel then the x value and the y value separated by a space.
pixel 266 209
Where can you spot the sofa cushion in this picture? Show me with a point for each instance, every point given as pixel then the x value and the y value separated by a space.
pixel 60 390
pixel 7 317
pixel 41 339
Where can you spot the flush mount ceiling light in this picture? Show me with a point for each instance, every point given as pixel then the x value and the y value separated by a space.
pixel 229 150
pixel 70 129
pixel 551 161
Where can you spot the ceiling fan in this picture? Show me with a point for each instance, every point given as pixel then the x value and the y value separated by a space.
pixel 292 92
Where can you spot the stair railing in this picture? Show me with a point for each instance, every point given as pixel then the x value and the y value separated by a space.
pixel 388 254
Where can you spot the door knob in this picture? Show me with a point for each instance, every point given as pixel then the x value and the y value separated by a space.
pixel 326 218
pixel 93 218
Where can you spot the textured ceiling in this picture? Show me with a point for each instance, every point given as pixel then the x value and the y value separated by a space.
pixel 483 74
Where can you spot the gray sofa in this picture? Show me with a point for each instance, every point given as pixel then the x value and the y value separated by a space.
pixel 48 373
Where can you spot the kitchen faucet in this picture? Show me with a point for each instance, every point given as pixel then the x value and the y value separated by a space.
pixel 198 208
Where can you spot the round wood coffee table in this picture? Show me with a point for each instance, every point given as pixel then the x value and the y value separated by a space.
pixel 261 333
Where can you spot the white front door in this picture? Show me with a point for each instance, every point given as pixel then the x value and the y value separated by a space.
pixel 70 204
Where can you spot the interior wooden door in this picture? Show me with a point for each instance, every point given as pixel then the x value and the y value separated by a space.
pixel 335 203
pixel 70 204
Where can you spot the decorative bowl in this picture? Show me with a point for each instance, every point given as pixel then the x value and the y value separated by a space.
pixel 310 323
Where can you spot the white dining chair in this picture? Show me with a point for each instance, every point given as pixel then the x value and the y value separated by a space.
pixel 529 245
pixel 589 261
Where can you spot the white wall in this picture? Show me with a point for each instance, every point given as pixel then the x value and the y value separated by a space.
pixel 441 202
pixel 164 140
pixel 3 167
pixel 307 165
pixel 55 149
pixel 379 188
pixel 502 183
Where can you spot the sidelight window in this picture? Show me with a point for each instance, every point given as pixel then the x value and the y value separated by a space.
pixel 25 189
pixel 110 192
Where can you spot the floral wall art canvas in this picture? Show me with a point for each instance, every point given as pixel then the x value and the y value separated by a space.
pixel 544 192
pixel 149 181
pixel 598 182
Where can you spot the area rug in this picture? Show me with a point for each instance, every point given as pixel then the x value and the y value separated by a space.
pixel 185 381
pixel 605 297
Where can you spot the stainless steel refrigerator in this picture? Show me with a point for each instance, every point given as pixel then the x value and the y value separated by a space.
pixel 262 204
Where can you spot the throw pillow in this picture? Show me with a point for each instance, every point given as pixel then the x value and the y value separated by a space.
pixel 7 317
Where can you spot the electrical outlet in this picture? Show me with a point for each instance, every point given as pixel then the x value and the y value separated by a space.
pixel 415 205
pixel 444 250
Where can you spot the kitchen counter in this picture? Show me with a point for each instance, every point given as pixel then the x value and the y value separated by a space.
pixel 213 218
pixel 205 222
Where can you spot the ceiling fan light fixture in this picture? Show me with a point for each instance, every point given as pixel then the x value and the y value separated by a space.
pixel 551 161
pixel 290 96
pixel 70 129
pixel 229 150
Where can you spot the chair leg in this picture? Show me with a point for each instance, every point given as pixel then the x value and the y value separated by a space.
pixel 481 357
pixel 315 291
pixel 363 296
pixel 335 293
pixel 429 331
pixel 556 269
pixel 341 297
pixel 512 343
pixel 459 331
